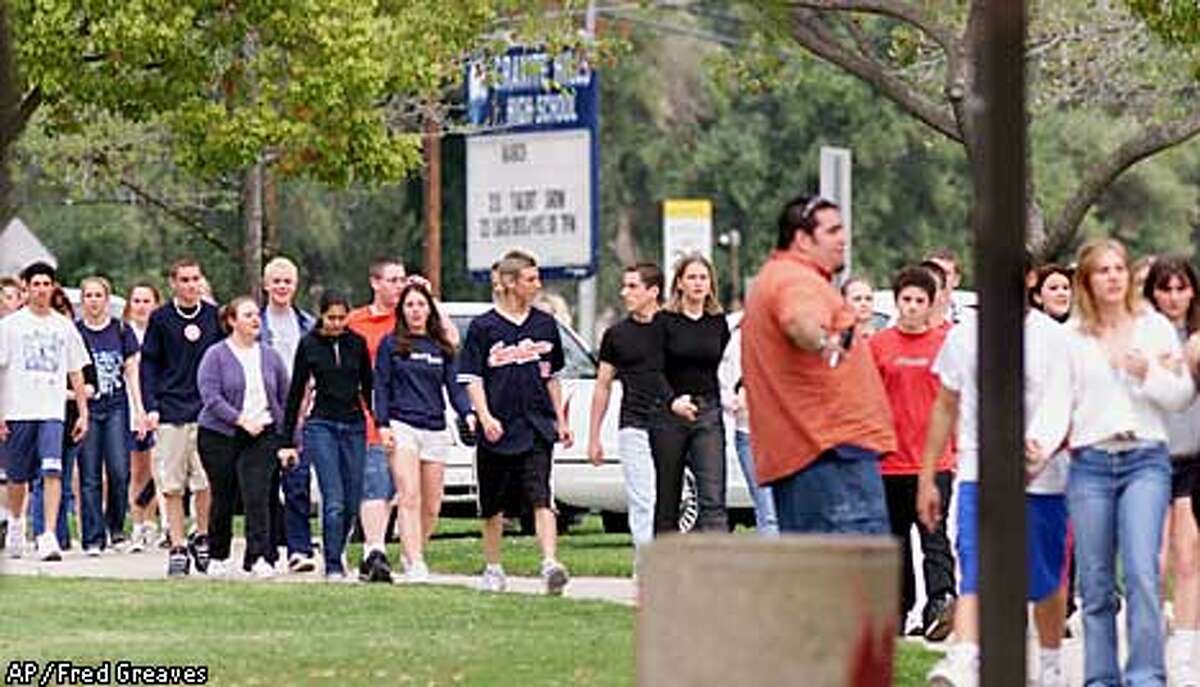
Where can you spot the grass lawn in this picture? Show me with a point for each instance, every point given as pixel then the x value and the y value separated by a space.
pixel 294 634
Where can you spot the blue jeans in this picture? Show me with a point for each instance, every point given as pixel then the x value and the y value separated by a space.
pixel 295 483
pixel 1117 501
pixel 841 492
pixel 637 462
pixel 66 505
pixel 764 501
pixel 105 446
pixel 338 453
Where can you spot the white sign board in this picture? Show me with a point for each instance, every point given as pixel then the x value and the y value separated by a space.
pixel 687 229
pixel 530 191
pixel 836 186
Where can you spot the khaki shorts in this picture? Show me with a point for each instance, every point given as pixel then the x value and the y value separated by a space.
pixel 177 461
pixel 431 446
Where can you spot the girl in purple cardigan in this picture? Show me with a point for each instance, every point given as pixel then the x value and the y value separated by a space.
pixel 243 386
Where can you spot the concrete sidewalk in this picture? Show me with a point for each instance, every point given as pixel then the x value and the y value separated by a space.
pixel 152 565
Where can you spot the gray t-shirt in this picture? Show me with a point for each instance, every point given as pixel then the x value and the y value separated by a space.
pixel 285 335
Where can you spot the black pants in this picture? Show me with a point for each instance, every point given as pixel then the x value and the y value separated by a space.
pixel 245 464
pixel 700 445
pixel 901 493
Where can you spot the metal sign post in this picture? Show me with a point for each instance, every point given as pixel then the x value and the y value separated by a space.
pixel 687 228
pixel 836 173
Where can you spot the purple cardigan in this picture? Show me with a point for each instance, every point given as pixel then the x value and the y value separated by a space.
pixel 223 387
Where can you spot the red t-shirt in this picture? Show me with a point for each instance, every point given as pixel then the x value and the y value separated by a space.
pixel 903 361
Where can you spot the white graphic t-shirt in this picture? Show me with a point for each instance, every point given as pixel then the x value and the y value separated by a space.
pixel 36 353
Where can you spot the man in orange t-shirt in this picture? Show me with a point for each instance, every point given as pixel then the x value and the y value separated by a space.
pixel 819 419
pixel 904 355
pixel 373 322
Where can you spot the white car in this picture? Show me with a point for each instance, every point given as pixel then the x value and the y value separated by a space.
pixel 885 305
pixel 578 485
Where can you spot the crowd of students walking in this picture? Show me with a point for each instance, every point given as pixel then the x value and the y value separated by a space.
pixel 839 426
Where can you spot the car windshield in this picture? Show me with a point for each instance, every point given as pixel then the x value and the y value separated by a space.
pixel 579 362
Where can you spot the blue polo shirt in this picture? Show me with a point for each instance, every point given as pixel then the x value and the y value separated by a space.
pixel 514 362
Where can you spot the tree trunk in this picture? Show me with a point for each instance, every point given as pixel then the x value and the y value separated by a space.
pixel 625 243
pixel 270 202
pixel 433 200
pixel 10 125
pixel 252 216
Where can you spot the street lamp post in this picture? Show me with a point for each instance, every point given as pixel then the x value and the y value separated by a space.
pixel 732 240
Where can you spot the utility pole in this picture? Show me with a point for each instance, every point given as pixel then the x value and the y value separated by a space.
pixel 999 219
pixel 432 147
pixel 587 285
pixel 732 240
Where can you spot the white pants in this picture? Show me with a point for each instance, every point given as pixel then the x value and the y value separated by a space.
pixel 637 462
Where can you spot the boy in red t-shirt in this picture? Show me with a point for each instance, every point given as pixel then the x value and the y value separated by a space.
pixel 904 354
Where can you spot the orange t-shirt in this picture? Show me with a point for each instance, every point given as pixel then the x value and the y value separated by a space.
pixel 799 406
pixel 373 328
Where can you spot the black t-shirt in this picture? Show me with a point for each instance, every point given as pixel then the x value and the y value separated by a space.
pixel 636 350
pixel 515 361
pixel 693 353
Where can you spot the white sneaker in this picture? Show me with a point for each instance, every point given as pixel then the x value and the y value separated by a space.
pixel 299 563
pixel 417 572
pixel 493 580
pixel 93 551
pixel 137 536
pixel 47 546
pixel 262 569
pixel 1053 677
pixel 555 576
pixel 958 669
pixel 14 541
pixel 340 578
pixel 219 568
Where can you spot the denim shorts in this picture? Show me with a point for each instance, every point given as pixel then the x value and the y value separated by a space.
pixel 377 475
pixel 33 446
pixel 841 492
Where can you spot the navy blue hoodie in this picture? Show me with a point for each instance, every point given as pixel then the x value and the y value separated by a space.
pixel 409 388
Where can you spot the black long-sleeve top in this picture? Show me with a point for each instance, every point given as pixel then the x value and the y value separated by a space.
pixel 341 370
pixel 693 353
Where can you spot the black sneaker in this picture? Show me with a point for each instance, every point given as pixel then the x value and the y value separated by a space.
pixel 178 564
pixel 940 621
pixel 198 548
pixel 375 568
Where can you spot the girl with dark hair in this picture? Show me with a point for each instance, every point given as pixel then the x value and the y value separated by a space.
pixel 334 360
pixel 1171 287
pixel 414 364
pixel 143 298
pixel 696 334
pixel 243 386
pixel 1051 291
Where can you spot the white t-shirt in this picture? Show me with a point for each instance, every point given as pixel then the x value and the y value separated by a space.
pixel 1047 395
pixel 36 354
pixel 285 335
pixel 254 402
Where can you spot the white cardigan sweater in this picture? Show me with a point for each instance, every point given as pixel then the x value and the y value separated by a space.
pixel 1109 404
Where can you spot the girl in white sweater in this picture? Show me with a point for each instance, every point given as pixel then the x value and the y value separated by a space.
pixel 1127 374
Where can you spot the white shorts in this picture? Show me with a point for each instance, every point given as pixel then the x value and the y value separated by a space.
pixel 430 445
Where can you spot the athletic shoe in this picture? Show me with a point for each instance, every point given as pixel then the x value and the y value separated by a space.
pixel 137 538
pixel 417 573
pixel 1052 677
pixel 219 568
pixel 118 542
pixel 262 569
pixel 47 547
pixel 92 551
pixel 178 563
pixel 556 577
pixel 957 669
pixel 300 563
pixel 339 578
pixel 198 547
pixel 493 579
pixel 375 568
pixel 941 619
pixel 14 539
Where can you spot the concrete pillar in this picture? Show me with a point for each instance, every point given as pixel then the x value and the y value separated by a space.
pixel 741 611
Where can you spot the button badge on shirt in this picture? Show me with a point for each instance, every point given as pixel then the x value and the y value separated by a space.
pixel 191 333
